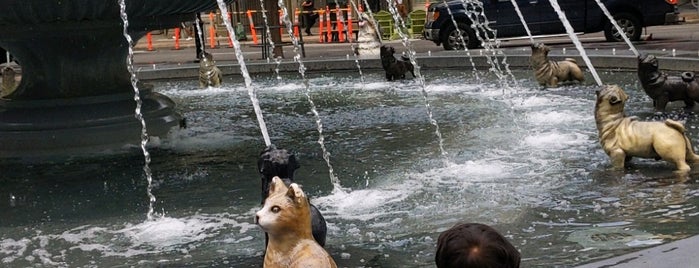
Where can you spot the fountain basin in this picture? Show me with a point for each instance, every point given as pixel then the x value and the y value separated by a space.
pixel 74 92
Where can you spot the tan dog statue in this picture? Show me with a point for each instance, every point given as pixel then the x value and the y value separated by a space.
pixel 8 81
pixel 209 74
pixel 624 137
pixel 549 72
pixel 286 217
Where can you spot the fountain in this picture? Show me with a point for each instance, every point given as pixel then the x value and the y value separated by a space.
pixel 529 164
pixel 75 94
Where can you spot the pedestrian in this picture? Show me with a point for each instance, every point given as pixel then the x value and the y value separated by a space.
pixel 309 16
pixel 402 10
pixel 471 245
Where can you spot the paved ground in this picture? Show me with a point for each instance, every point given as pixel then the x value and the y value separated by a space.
pixel 683 38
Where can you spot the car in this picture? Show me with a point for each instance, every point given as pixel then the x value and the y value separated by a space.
pixel 447 20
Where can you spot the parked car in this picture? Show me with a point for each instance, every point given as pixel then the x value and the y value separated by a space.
pixel 500 19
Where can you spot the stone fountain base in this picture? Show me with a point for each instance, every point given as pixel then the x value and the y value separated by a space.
pixel 80 126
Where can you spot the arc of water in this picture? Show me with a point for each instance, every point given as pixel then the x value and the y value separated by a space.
pixel 246 74
pixel 399 26
pixel 371 15
pixel 574 38
pixel 268 35
pixel 524 22
pixel 352 47
pixel 617 27
pixel 463 42
pixel 137 111
pixel 334 180
pixel 200 33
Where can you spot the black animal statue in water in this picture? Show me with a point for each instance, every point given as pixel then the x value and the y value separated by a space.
pixel 664 88
pixel 279 162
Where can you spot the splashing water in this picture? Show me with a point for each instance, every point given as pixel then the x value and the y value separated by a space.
pixel 268 36
pixel 617 27
pixel 302 71
pixel 200 33
pixel 137 111
pixel 399 26
pixel 246 74
pixel 463 42
pixel 524 22
pixel 576 41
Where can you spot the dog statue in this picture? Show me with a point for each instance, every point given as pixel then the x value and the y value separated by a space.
pixel 275 162
pixel 395 68
pixel 624 137
pixel 286 218
pixel 549 72
pixel 8 81
pixel 368 40
pixel 663 88
pixel 209 74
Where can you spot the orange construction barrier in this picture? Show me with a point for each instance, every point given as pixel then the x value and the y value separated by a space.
pixel 340 27
pixel 321 15
pixel 349 24
pixel 150 41
pixel 252 27
pixel 296 22
pixel 177 38
pixel 328 29
pixel 212 31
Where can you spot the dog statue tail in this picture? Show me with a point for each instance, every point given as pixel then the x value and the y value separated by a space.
pixel 690 156
pixel 576 74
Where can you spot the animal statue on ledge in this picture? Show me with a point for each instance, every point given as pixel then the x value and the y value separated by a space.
pixel 664 88
pixel 549 72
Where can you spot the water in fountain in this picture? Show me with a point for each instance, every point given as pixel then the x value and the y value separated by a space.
pixel 246 74
pixel 399 26
pixel 334 180
pixel 137 111
pixel 616 26
pixel 576 41
pixel 524 22
pixel 543 184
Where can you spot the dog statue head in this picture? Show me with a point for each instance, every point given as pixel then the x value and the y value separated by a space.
pixel 206 59
pixel 647 62
pixel 275 162
pixel 387 50
pixel 610 100
pixel 540 49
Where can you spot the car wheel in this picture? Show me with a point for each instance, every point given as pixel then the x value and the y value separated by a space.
pixel 630 24
pixel 451 40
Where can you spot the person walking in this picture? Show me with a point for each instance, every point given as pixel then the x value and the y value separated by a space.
pixel 309 17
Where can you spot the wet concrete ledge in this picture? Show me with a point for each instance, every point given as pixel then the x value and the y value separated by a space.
pixel 681 253
pixel 448 60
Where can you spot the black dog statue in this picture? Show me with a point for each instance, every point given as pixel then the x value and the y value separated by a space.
pixel 279 162
pixel 395 68
pixel 664 88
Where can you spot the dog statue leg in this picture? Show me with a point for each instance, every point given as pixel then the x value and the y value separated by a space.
pixel 553 82
pixel 618 158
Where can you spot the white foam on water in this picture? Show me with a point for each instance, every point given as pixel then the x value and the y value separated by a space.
pixel 554 118
pixel 555 140
pixel 151 237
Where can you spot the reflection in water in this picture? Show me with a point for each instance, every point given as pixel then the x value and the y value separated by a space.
pixel 545 183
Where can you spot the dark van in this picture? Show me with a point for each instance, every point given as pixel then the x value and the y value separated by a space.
pixel 500 19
